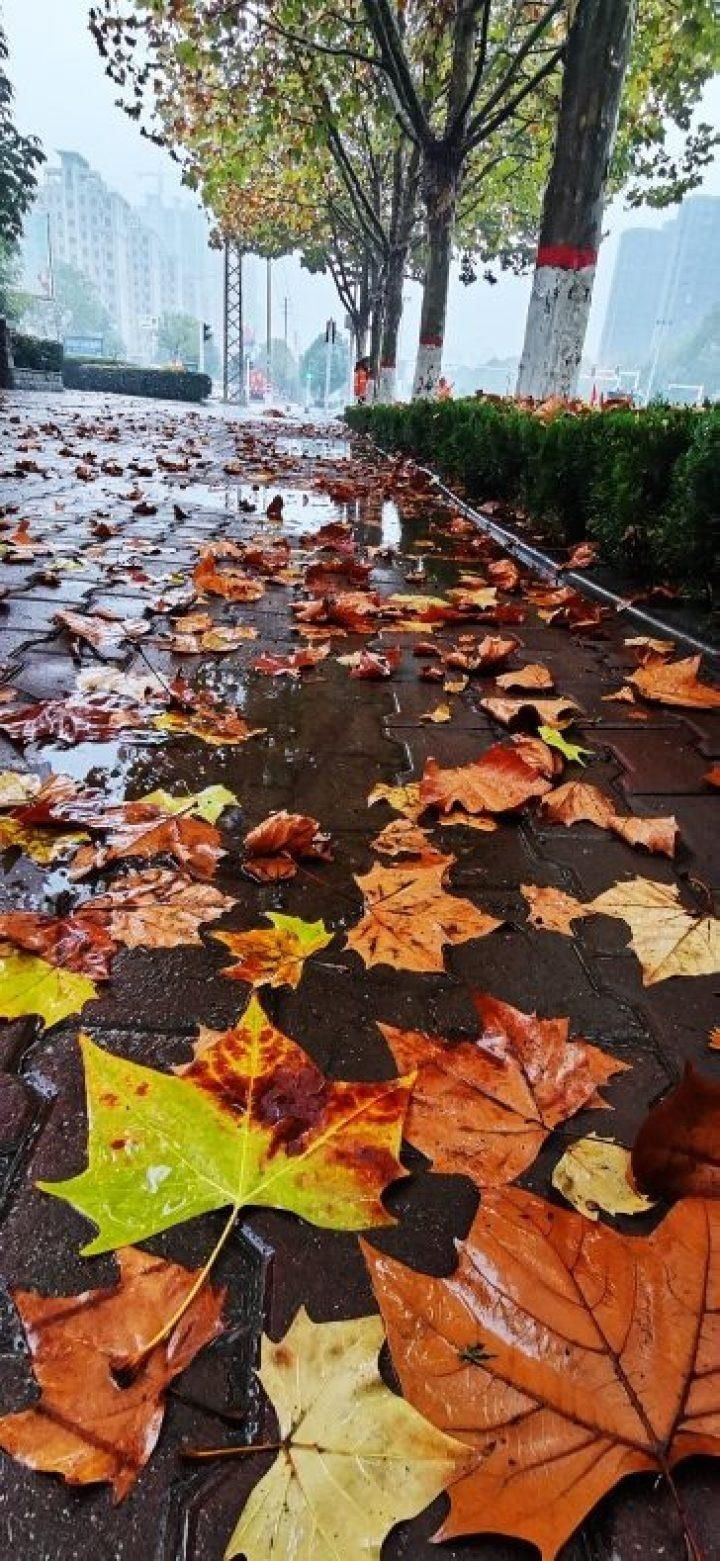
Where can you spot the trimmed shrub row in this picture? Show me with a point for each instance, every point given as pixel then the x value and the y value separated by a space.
pixel 122 380
pixel 32 352
pixel 644 484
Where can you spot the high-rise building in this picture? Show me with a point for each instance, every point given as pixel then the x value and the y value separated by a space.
pixel 142 264
pixel 665 282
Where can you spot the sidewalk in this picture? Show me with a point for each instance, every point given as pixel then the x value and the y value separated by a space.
pixel 119 498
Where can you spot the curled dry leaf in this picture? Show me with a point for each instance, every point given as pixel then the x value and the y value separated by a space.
pixel 409 917
pixel 676 683
pixel 676 1153
pixel 498 782
pixel 484 1108
pixel 576 802
pixel 353 1459
pixel 534 675
pixel 274 847
pixel 250 1120
pixel 275 955
pixel 538 1353
pixel 78 1343
pixel 594 1176
pixel 538 712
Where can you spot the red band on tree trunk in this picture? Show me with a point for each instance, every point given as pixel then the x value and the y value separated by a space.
pixel 565 257
pixel 431 341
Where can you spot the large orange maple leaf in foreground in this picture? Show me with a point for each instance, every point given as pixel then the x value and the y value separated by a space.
pixel 566 1354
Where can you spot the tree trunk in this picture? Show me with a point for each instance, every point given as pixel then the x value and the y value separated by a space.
pixel 570 231
pixel 391 323
pixel 440 189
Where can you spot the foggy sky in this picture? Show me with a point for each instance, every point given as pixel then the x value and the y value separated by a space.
pixel 63 96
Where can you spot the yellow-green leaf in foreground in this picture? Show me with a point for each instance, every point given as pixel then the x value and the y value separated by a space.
pixel 274 956
pixel 29 985
pixel 571 751
pixel 207 804
pixel 354 1458
pixel 250 1120
pixel 594 1176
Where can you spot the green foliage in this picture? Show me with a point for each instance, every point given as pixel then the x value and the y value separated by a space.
pixel 644 484
pixel 312 367
pixel 33 352
pixel 20 156
pixel 78 309
pixel 283 369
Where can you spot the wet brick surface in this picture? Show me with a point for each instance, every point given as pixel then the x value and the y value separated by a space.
pixel 329 740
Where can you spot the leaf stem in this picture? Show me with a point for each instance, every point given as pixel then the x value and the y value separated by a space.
pixel 136 1363
pixel 231 1452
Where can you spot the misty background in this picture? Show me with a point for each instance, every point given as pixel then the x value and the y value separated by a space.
pixel 63 96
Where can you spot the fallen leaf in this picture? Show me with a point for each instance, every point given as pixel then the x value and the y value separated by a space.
pixel 409 917
pixel 714 1039
pixel 484 1108
pixel 212 724
pixel 250 1120
pixel 541 712
pixel 712 777
pixel 564 1354
pixel 498 782
pixel 232 584
pixel 104 634
pixel 402 799
pixel 676 683
pixel 29 985
pixel 68 942
pixel 353 1459
pixel 622 696
pixel 534 675
pixel 504 574
pixel 84 1426
pixel 274 956
pixel 155 908
pixel 274 847
pixel 667 940
pixel 61 721
pixel 594 1176
pixel 459 819
pixel 582 557
pixel 222 637
pixel 552 910
pixel 41 845
pixel 401 838
pixel 570 751
pixel 439 715
pixel 643 647
pixel 207 804
pixel 193 843
pixel 675 1153
pixel 139 687
pixel 291 665
pixel 373 664
pixel 577 802
pixel 17 787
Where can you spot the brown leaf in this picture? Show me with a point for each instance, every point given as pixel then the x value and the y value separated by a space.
pixel 676 1153
pixel 401 838
pixel 538 712
pixel 70 942
pixel 582 557
pixel 712 777
pixel 155 908
pixel 104 634
pixel 504 574
pixel 484 1108
pixel 60 721
pixel 564 1354
pixel 84 1426
pixel 552 910
pixel 409 917
pixel 498 782
pixel 275 846
pixel 194 843
pixel 291 665
pixel 676 683
pixel 577 802
pixel 232 584
pixel 534 675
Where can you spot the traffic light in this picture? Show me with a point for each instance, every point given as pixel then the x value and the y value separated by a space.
pixel 207 333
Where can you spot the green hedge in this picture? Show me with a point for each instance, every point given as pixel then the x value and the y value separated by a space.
pixel 32 352
pixel 122 380
pixel 645 484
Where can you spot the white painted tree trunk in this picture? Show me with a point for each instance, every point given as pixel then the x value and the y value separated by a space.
pixel 428 367
pixel 386 382
pixel 555 331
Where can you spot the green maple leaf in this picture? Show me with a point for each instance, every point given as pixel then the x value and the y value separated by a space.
pixel 250 1121
pixel 29 985
pixel 555 739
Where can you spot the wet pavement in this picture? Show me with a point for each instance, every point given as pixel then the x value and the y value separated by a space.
pixel 120 498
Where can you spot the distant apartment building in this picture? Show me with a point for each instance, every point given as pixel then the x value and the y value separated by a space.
pixel 665 282
pixel 141 264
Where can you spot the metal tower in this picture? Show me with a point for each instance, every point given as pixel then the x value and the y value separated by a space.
pixel 234 388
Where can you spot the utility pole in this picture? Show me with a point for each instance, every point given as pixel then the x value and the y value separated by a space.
pixel 285 321
pixel 330 332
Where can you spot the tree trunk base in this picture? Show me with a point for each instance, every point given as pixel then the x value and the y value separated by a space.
pixel 387 380
pixel 427 371
pixel 557 318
